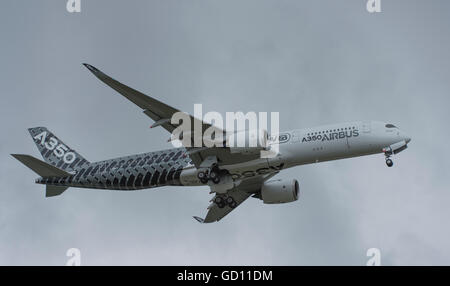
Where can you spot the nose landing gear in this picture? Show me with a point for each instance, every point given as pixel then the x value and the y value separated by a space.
pixel 388 152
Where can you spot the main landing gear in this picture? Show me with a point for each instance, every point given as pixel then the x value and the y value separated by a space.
pixel 203 177
pixel 223 200
pixel 212 174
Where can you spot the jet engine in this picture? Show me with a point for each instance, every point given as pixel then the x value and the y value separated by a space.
pixel 248 142
pixel 280 191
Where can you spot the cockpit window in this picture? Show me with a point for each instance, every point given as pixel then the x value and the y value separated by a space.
pixel 390 126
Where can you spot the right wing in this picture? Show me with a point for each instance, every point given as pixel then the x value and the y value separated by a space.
pixel 162 113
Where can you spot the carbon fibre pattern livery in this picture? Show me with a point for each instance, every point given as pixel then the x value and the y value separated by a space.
pixel 56 152
pixel 233 175
pixel 133 172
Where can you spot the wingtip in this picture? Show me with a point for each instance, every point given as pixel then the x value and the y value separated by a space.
pixel 199 219
pixel 91 68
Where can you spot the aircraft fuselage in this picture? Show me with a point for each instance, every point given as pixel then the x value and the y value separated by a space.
pixel 174 167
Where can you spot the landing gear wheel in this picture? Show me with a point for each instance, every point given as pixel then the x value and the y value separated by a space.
pixel 229 200
pixel 213 174
pixel 216 180
pixel 218 200
pixel 201 175
pixel 233 205
pixel 389 162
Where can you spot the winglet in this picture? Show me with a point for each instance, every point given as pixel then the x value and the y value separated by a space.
pixel 91 68
pixel 98 73
pixel 199 219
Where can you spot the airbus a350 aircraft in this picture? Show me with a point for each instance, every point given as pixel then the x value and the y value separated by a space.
pixel 232 175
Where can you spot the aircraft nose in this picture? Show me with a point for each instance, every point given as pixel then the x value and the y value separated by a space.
pixel 407 138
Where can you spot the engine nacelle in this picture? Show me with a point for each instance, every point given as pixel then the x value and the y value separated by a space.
pixel 248 142
pixel 280 191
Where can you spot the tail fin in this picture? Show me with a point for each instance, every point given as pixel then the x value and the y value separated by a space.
pixel 54 151
pixel 44 170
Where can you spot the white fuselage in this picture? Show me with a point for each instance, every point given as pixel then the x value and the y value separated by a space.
pixel 313 145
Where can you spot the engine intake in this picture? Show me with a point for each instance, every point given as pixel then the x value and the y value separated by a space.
pixel 280 191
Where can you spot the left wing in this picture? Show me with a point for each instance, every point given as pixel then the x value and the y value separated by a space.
pixel 162 113
pixel 240 193
pixel 215 213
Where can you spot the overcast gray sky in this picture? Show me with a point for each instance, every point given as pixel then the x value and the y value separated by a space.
pixel 315 62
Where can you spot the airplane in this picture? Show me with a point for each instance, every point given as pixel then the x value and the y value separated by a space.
pixel 232 175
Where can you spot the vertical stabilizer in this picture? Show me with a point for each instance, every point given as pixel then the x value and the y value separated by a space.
pixel 54 151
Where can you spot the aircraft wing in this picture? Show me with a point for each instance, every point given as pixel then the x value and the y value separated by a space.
pixel 240 193
pixel 162 113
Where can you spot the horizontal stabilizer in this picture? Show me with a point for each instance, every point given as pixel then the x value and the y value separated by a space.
pixel 39 167
pixel 52 191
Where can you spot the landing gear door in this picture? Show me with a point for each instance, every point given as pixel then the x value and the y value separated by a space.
pixel 366 127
